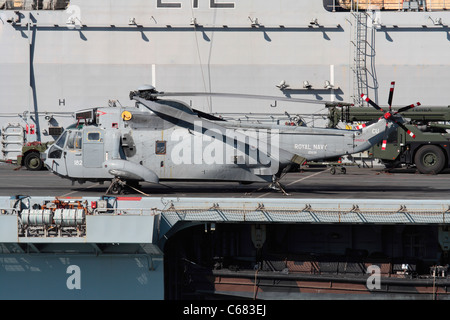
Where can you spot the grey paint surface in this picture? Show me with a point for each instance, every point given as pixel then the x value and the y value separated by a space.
pixel 87 67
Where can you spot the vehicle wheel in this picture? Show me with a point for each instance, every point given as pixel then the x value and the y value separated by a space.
pixel 33 161
pixel 333 170
pixel 430 159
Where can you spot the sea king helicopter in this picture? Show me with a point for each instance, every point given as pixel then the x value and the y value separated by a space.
pixel 159 139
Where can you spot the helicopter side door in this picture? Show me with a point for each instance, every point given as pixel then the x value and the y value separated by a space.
pixel 93 147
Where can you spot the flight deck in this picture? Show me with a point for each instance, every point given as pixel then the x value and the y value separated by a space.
pixel 312 182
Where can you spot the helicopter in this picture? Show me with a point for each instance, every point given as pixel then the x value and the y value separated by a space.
pixel 160 139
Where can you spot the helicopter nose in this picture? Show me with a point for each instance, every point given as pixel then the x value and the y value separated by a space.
pixel 43 156
pixel 46 161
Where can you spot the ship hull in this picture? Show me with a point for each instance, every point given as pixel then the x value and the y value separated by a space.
pixel 80 276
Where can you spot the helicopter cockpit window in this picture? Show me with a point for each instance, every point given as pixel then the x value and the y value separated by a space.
pixel 160 147
pixel 54 153
pixel 74 140
pixel 62 140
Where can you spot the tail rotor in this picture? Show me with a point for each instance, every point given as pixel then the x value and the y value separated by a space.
pixel 389 115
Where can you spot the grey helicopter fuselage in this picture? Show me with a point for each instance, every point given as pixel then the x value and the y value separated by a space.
pixel 160 140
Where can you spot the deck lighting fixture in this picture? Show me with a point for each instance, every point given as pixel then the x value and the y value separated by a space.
pixel 283 85
pixel 328 85
pixel 314 22
pixel 307 85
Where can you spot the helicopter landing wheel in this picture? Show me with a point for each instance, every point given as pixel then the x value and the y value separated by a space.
pixel 342 170
pixel 116 187
pixel 277 186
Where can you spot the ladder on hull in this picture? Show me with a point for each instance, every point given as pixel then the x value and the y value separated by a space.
pixel 360 77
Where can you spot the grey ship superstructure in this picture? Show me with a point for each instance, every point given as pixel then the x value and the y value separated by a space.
pixel 58 57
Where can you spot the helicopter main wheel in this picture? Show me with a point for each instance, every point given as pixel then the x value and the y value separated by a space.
pixel 116 187
pixel 342 170
pixel 277 186
pixel 429 159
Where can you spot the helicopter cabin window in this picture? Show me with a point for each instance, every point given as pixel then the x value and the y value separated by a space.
pixel 160 147
pixel 34 4
pixel 93 136
pixel 74 140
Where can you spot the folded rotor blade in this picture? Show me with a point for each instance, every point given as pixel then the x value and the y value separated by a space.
pixel 283 156
pixel 373 104
pixel 363 125
pixel 248 96
pixel 391 94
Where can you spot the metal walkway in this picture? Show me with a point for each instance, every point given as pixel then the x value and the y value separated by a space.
pixel 149 220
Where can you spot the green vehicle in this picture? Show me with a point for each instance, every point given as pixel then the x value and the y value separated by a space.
pixel 15 148
pixel 429 151
pixel 31 155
